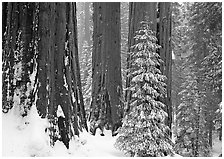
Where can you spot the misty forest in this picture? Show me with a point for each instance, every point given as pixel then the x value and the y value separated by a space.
pixel 112 79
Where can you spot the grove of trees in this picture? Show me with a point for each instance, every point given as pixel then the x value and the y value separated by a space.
pixel 148 71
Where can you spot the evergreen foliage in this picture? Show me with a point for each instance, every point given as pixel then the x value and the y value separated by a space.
pixel 192 138
pixel 41 66
pixel 199 59
pixel 206 22
pixel 143 132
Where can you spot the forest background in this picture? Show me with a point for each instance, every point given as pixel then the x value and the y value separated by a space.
pixel 80 58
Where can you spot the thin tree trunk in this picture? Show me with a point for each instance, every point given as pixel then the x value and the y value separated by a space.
pixel 87 22
pixel 197 144
pixel 4 17
pixel 210 133
pixel 220 133
pixel 78 84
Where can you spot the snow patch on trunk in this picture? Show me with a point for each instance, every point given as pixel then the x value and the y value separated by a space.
pixel 60 112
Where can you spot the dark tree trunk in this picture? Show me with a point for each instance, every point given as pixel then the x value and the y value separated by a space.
pixel 43 51
pixel 58 72
pixel 164 35
pixel 220 133
pixel 26 19
pixel 6 62
pixel 43 36
pixel 26 27
pixel 17 47
pixel 210 133
pixel 113 59
pixel 4 16
pixel 106 107
pixel 9 46
pixel 197 142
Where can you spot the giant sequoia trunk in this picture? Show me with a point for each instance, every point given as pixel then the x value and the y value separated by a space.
pixel 164 35
pixel 43 37
pixel 8 45
pixel 138 12
pixel 106 107
pixel 58 68
pixel 17 54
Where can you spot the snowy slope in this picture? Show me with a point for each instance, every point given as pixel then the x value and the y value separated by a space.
pixel 25 137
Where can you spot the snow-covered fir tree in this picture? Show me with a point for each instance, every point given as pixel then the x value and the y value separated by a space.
pixel 192 139
pixel 143 132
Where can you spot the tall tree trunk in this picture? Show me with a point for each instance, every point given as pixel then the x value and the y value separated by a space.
pixel 197 142
pixel 44 34
pixel 87 22
pixel 17 44
pixel 26 27
pixel 106 107
pixel 210 132
pixel 77 71
pixel 4 17
pixel 6 62
pixel 9 47
pixel 43 49
pixel 138 12
pixel 58 72
pixel 164 36
pixel 26 18
pixel 220 133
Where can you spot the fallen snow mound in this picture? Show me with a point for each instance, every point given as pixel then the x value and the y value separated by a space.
pixel 26 137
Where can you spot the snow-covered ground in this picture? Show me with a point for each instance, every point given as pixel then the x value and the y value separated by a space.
pixel 26 137
pixel 217 146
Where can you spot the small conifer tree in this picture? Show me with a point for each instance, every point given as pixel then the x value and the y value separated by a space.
pixel 144 132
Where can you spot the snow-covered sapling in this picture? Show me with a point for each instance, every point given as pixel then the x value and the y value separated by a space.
pixel 143 132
